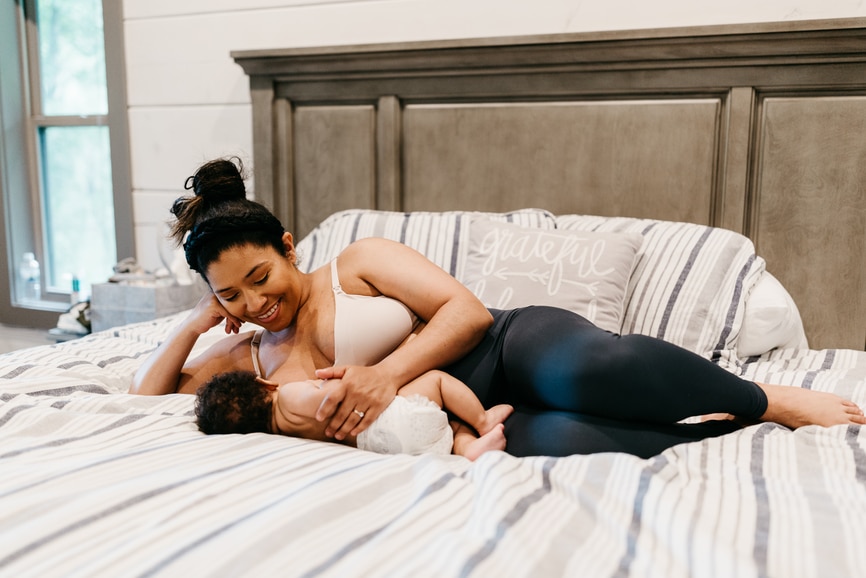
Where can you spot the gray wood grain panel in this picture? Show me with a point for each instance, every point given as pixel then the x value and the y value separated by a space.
pixel 389 140
pixel 262 96
pixel 335 162
pixel 810 211
pixel 735 157
pixel 652 159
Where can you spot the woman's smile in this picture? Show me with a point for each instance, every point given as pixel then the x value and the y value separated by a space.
pixel 270 314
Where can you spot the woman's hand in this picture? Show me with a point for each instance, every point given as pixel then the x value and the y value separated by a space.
pixel 208 313
pixel 355 396
pixel 163 371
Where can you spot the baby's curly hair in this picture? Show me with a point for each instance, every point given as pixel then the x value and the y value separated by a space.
pixel 233 402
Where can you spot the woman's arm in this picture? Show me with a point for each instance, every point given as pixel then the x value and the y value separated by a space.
pixel 455 322
pixel 167 370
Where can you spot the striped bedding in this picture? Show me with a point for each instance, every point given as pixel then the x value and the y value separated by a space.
pixel 97 482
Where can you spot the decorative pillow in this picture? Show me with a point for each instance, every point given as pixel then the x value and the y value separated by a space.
pixel 772 320
pixel 439 236
pixel 508 266
pixel 689 282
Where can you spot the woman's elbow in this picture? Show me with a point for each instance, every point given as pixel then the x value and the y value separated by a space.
pixel 486 319
pixel 480 318
pixel 145 384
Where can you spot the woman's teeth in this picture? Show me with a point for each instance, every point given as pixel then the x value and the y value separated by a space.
pixel 269 312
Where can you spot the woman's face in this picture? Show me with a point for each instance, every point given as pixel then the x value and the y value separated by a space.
pixel 257 284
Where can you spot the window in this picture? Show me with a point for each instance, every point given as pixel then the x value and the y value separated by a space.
pixel 64 160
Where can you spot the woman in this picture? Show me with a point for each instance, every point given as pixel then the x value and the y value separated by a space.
pixel 575 388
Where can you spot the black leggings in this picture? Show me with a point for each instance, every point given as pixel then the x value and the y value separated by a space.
pixel 578 389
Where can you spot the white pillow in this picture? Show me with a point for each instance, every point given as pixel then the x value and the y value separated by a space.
pixel 771 321
pixel 508 266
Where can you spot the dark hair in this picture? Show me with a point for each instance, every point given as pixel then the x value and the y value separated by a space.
pixel 218 216
pixel 233 402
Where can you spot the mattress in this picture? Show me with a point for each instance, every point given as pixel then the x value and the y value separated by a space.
pixel 98 482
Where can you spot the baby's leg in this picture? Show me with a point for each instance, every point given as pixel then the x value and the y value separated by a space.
pixel 453 395
pixel 461 401
pixel 470 446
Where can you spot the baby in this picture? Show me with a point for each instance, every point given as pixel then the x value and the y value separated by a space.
pixel 414 423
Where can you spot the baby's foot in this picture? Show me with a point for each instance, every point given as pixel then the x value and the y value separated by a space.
pixel 494 416
pixel 741 421
pixel 796 407
pixel 717 416
pixel 492 440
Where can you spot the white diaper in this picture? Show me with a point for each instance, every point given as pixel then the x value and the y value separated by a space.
pixel 410 425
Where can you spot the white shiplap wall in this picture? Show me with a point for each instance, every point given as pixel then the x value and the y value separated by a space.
pixel 189 101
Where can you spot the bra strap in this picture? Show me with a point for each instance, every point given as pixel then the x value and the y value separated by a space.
pixel 335 279
pixel 254 350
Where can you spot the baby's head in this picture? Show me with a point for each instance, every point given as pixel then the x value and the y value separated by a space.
pixel 234 402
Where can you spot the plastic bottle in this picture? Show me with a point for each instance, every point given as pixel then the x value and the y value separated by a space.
pixel 75 295
pixel 30 276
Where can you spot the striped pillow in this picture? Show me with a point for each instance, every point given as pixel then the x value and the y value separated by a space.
pixel 439 236
pixel 689 283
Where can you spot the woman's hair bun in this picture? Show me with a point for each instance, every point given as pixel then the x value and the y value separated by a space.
pixel 218 181
pixel 215 184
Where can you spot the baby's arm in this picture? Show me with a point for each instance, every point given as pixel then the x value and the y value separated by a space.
pixel 301 398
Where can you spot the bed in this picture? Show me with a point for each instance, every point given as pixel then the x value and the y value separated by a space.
pixel 98 482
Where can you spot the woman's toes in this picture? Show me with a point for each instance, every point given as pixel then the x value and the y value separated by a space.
pixel 852 407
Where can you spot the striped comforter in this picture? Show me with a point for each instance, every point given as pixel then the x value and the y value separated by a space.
pixel 96 482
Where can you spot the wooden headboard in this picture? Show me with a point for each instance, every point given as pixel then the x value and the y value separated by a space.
pixel 756 128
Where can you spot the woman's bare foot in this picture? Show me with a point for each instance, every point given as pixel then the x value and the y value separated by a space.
pixel 795 407
pixel 493 417
pixel 492 440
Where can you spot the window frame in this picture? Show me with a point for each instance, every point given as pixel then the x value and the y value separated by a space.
pixel 21 223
